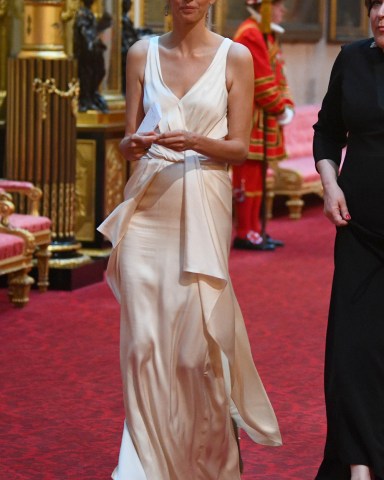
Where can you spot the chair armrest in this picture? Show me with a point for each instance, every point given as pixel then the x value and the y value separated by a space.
pixel 29 240
pixel 28 189
pixel 6 209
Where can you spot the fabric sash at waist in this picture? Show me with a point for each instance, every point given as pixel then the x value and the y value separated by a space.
pixel 199 223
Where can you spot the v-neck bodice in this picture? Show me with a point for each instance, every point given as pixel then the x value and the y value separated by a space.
pixel 202 109
pixel 197 82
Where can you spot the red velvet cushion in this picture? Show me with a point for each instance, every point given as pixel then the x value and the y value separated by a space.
pixel 10 184
pixel 304 166
pixel 10 246
pixel 29 222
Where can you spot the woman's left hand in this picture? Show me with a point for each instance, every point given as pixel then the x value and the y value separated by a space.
pixel 178 140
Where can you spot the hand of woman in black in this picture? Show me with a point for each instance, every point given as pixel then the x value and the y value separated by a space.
pixel 335 205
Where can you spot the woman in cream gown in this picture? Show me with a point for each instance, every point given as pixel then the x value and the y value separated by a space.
pixel 186 363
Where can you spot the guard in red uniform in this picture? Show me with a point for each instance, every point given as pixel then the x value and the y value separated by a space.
pixel 272 97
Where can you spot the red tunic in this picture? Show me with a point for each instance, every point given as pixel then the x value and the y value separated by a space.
pixel 272 97
pixel 271 91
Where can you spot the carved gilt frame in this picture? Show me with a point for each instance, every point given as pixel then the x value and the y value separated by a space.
pixel 304 20
pixel 348 21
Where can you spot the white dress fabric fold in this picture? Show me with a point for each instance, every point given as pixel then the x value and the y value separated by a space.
pixel 185 357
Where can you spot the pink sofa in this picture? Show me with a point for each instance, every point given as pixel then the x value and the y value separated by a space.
pixel 296 176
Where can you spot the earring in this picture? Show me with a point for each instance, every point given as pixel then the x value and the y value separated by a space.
pixel 166 10
pixel 208 15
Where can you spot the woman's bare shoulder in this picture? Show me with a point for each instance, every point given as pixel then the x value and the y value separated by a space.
pixel 138 51
pixel 239 54
pixel 239 59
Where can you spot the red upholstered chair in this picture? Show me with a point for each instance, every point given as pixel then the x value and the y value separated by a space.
pixel 16 250
pixel 39 226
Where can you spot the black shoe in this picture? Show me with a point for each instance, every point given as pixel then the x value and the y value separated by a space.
pixel 274 241
pixel 245 244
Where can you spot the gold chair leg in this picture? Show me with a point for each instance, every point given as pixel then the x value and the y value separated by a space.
pixel 269 204
pixel 43 255
pixel 19 284
pixel 295 205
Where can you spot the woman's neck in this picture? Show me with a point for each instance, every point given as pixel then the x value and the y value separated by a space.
pixel 188 39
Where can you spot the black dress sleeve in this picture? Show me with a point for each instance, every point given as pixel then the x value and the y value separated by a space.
pixel 330 131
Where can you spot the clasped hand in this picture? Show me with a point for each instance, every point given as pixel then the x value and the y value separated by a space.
pixel 134 146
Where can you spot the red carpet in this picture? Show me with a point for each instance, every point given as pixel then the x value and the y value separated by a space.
pixel 61 409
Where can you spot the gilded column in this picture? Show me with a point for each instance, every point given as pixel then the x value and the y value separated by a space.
pixel 41 125
pixel 4 45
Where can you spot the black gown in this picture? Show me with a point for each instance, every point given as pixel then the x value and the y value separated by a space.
pixel 352 114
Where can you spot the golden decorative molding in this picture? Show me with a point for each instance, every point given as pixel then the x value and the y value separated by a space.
pixel 56 232
pixel 97 252
pixel 69 263
pixel 43 31
pixel 4 51
pixel 69 13
pixel 85 190
pixel 64 248
pixel 115 176
pixel 92 118
pixel 49 87
pixel 3 8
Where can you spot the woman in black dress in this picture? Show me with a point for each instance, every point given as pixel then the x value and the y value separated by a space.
pixel 352 115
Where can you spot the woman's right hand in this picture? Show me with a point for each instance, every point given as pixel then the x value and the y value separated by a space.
pixel 335 205
pixel 133 146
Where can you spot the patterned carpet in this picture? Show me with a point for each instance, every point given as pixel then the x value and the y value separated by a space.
pixel 61 411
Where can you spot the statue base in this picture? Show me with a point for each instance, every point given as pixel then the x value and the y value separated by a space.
pixel 73 273
pixel 94 117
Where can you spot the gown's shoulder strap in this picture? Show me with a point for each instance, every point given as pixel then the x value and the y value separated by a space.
pixel 226 45
pixel 219 62
pixel 151 67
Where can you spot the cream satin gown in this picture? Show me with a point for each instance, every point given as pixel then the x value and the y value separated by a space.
pixel 185 357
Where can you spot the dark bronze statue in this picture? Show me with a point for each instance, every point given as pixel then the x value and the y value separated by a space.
pixel 89 50
pixel 128 37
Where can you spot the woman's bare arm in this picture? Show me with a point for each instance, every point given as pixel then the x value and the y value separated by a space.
pixel 133 146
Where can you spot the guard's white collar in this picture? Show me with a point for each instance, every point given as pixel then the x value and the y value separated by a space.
pixel 256 15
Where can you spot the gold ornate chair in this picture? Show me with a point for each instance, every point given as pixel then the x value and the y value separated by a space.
pixel 38 225
pixel 16 250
